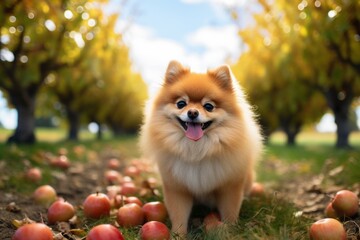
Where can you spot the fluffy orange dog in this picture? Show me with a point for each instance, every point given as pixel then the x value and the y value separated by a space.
pixel 201 132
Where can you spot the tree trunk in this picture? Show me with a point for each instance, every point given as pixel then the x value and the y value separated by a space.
pixel 340 103
pixel 74 123
pixel 25 130
pixel 291 129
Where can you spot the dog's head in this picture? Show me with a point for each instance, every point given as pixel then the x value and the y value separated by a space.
pixel 196 104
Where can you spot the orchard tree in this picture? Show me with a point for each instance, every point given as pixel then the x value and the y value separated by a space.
pixel 316 44
pixel 272 70
pixel 39 38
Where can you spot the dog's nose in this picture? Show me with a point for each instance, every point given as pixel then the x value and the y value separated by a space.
pixel 193 113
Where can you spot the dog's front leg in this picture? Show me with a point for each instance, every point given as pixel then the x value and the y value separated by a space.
pixel 179 203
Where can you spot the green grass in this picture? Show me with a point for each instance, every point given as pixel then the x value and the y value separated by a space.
pixel 270 217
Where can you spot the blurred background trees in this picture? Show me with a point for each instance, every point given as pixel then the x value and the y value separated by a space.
pixel 66 54
pixel 295 52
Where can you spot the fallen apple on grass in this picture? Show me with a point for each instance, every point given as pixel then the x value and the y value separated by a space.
pixel 346 203
pixel 155 211
pixel 97 205
pixel 61 161
pixel 257 190
pixel 60 211
pixel 104 232
pixel 154 230
pixel 33 231
pixel 130 215
pixel 330 212
pixel 45 195
pixel 327 229
pixel 212 221
pixel 33 174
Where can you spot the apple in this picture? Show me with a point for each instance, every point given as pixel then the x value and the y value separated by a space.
pixel 130 215
pixel 33 231
pixel 60 211
pixel 61 161
pixel 155 211
pixel 132 171
pixel 33 174
pixel 104 232
pixel 212 221
pixel 257 190
pixel 97 205
pixel 112 176
pixel 133 199
pixel 113 163
pixel 128 188
pixel 45 195
pixel 330 212
pixel 118 201
pixel 346 203
pixel 327 229
pixel 154 230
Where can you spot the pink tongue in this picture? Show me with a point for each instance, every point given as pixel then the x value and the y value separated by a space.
pixel 194 131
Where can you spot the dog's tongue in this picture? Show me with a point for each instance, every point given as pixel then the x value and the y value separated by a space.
pixel 194 131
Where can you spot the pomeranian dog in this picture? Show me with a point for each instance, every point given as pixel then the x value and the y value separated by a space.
pixel 201 132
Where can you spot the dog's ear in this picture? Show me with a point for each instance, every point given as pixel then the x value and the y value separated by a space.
pixel 222 76
pixel 174 71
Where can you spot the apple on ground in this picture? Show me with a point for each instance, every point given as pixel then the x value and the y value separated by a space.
pixel 33 231
pixel 61 161
pixel 133 199
pixel 330 212
pixel 45 195
pixel 212 221
pixel 130 215
pixel 257 190
pixel 104 232
pixel 155 211
pixel 132 171
pixel 113 163
pixel 128 188
pixel 97 205
pixel 112 176
pixel 33 174
pixel 346 203
pixel 327 229
pixel 60 211
pixel 154 230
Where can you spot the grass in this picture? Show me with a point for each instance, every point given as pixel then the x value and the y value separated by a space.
pixel 270 217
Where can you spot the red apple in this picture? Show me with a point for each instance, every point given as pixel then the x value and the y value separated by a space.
pixel 118 201
pixel 60 211
pixel 133 199
pixel 330 212
pixel 61 161
pixel 104 232
pixel 257 190
pixel 212 221
pixel 327 229
pixel 154 230
pixel 346 203
pixel 97 205
pixel 33 174
pixel 130 215
pixel 33 231
pixel 113 163
pixel 112 176
pixel 155 211
pixel 45 195
pixel 128 188
pixel 132 171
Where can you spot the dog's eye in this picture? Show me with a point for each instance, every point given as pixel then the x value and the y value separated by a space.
pixel 181 104
pixel 209 107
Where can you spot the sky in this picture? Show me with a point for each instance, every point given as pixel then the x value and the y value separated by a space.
pixel 198 33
